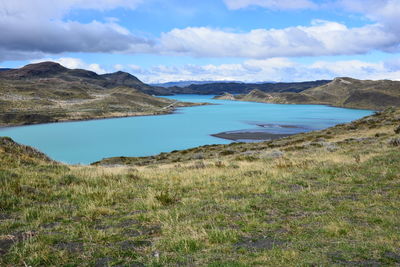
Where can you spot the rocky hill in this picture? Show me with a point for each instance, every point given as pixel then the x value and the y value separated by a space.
pixel 49 92
pixel 341 92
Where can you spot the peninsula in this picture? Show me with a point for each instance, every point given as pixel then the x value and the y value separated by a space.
pixel 48 92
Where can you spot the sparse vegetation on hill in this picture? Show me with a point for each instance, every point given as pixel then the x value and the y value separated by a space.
pixel 323 198
pixel 49 92
pixel 342 92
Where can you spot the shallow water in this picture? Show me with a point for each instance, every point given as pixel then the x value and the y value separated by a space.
pixel 88 141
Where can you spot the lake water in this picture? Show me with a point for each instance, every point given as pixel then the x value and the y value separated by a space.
pixel 88 141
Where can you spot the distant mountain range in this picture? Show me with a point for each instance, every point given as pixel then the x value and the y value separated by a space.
pixel 219 88
pixel 342 92
pixel 4 69
pixel 187 83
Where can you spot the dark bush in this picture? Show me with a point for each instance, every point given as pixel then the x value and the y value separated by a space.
pixel 166 198
pixel 227 152
pixel 69 179
pixel 395 142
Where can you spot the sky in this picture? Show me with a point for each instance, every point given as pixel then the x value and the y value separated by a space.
pixel 207 40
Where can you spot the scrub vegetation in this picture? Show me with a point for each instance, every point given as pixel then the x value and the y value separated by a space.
pixel 48 92
pixel 323 198
pixel 341 92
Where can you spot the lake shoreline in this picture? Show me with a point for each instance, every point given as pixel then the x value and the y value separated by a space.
pixel 87 119
pixel 110 116
pixel 147 134
pixel 251 136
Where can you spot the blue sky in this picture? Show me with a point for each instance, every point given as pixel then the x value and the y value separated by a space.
pixel 241 40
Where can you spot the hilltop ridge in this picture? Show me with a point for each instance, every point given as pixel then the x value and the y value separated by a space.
pixel 49 92
pixel 218 88
pixel 341 92
pixel 37 70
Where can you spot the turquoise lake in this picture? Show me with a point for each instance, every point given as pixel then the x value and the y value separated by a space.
pixel 89 141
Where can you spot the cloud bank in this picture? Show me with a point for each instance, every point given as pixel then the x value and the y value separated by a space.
pixel 74 63
pixel 322 38
pixel 33 28
pixel 270 4
pixel 37 29
pixel 275 69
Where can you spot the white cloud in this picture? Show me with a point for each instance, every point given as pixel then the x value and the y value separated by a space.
pixel 270 4
pixel 118 67
pixel 276 69
pixel 74 63
pixel 45 9
pixel 385 12
pixel 32 28
pixel 321 38
pixel 254 70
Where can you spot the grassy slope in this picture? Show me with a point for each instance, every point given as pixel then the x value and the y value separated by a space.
pixel 342 92
pixel 324 198
pixel 48 92
pixel 117 102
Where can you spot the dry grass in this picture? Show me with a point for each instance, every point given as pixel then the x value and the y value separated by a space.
pixel 310 206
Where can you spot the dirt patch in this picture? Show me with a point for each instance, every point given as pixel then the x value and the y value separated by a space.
pixel 338 258
pixel 130 244
pixel 71 247
pixel 151 230
pixel 4 216
pixel 102 227
pixel 394 257
pixel 5 245
pixel 259 243
pixel 103 262
pixel 132 232
pixel 7 241
pixel 127 223
pixel 295 188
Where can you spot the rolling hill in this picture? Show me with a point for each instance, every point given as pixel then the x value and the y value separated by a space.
pixel 341 92
pixel 49 92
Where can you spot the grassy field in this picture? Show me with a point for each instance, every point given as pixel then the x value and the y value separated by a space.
pixel 318 199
